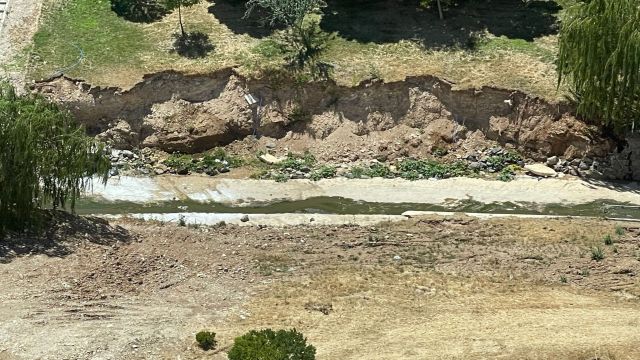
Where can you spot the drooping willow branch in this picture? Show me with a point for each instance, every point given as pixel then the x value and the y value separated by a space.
pixel 600 57
pixel 45 158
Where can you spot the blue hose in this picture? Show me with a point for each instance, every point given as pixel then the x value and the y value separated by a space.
pixel 72 66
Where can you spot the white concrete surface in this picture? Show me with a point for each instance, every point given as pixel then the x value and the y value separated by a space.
pixel 256 192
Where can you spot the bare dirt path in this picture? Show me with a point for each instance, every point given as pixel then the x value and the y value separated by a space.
pixel 426 288
pixel 20 25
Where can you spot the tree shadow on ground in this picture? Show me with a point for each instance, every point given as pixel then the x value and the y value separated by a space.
pixel 140 11
pixel 62 233
pixel 192 45
pixel 626 186
pixel 388 21
pixel 231 14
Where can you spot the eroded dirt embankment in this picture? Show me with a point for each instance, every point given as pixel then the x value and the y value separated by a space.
pixel 192 113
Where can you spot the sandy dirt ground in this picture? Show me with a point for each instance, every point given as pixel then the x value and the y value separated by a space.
pixel 427 288
pixel 16 35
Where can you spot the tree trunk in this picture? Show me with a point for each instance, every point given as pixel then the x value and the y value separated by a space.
pixel 440 10
pixel 180 19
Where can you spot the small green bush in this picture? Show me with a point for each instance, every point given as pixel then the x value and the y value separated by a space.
pixel 596 253
pixel 378 170
pixel 179 162
pixel 304 46
pixel 356 172
pixel 280 177
pixel 410 175
pixel 206 340
pixel 619 230
pixel 584 272
pixel 608 240
pixel 412 169
pixel 507 174
pixel 211 163
pixel 499 162
pixel 298 162
pixel 272 345
pixel 324 172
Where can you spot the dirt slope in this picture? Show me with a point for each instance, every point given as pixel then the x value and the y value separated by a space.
pixel 191 113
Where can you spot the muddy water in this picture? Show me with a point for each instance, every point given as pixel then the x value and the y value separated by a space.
pixel 343 206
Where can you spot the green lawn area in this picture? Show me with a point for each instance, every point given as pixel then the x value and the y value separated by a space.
pixel 118 52
pixel 90 25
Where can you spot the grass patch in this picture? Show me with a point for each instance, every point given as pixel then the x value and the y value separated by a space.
pixel 118 52
pixel 107 41
pixel 503 44
pixel 268 264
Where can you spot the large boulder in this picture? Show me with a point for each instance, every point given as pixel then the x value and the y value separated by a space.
pixel 540 170
pixel 270 159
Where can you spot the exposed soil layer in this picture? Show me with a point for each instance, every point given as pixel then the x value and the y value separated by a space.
pixel 192 113
pixel 429 287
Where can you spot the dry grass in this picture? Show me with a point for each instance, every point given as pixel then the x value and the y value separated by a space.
pixel 404 314
pixel 383 311
pixel 506 67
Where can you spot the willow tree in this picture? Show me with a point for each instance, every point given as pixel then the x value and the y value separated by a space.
pixel 46 159
pixel 600 57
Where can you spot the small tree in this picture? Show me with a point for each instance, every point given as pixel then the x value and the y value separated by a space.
pixel 45 158
pixel 206 340
pixel 303 47
pixel 179 4
pixel 600 57
pixel 303 41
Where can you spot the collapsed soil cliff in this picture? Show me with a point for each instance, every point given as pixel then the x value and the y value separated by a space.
pixel 192 113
